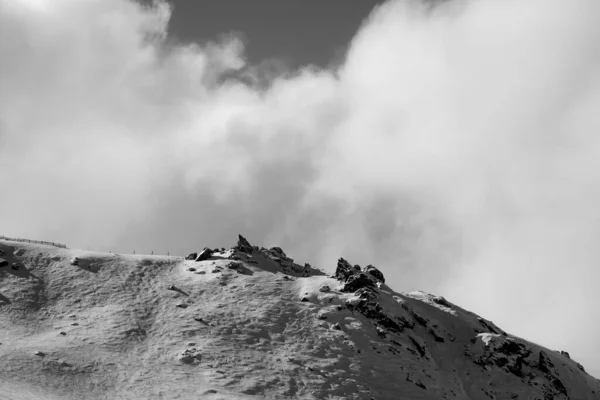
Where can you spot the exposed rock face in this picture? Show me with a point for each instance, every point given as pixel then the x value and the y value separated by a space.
pixel 277 252
pixel 192 256
pixel 344 270
pixel 3 263
pixel 243 245
pixel 375 272
pixel 278 334
pixel 204 254
pixel 358 281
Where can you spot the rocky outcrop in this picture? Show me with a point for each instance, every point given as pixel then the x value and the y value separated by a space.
pixel 278 253
pixel 371 270
pixel 243 245
pixel 357 281
pixel 204 254
pixel 191 256
pixel 344 270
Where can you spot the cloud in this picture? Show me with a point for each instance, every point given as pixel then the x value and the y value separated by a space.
pixel 455 147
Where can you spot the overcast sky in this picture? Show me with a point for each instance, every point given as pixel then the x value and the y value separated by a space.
pixel 454 147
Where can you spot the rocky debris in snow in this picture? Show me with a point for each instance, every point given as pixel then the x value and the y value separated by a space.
pixel 1 252
pixel 19 252
pixel 336 326
pixel 204 254
pixel 189 356
pixel 191 256
pixel 366 293
pixel 502 352
pixel 441 301
pixel 191 269
pixel 217 269
pixel 181 305
pixel 488 326
pixel 243 245
pixel 324 288
pixel 234 265
pixel 74 324
pixel 200 272
pixel 15 266
pixel 40 354
pixel 304 299
pixel 374 272
pixel 74 261
pixel 357 281
pixel 3 263
pixel 63 333
pixel 367 305
pixel 172 287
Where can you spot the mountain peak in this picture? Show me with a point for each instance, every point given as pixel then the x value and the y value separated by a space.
pixel 249 322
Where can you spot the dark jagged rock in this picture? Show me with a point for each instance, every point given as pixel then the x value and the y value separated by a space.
pixel 344 270
pixel 277 252
pixel 372 310
pixel 546 366
pixel 544 363
pixel 367 293
pixel 3 263
pixel 357 267
pixel 436 335
pixel 566 354
pixel 419 346
pixel 192 256
pixel 356 282
pixel 441 301
pixel 487 326
pixel 243 245
pixel 204 255
pixel 509 355
pixel 417 317
pixel 375 272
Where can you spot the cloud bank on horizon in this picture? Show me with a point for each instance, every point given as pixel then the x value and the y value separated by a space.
pixel 455 147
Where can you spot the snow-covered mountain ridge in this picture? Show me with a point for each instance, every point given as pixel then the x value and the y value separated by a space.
pixel 250 323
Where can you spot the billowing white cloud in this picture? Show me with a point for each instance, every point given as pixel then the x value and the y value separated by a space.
pixel 455 147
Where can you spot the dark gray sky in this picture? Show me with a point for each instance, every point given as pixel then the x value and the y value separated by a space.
pixel 296 32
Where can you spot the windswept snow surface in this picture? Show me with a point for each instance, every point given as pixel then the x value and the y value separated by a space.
pixel 247 326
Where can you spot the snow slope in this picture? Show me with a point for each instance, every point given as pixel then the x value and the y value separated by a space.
pixel 249 323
